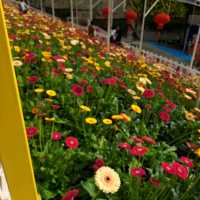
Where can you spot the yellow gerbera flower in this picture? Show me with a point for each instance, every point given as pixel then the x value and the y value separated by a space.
pixel 136 108
pixel 46 55
pixel 117 117
pixel 51 93
pixel 107 121
pixel 107 63
pixel 17 63
pixel 107 180
pixel 85 108
pixel 197 151
pixel 125 117
pixel 17 48
pixel 90 120
pixel 69 76
pixel 49 119
pixel 189 116
pixel 39 90
pixel 136 97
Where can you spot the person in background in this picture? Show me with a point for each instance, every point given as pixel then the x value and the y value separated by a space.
pixel 116 35
pixel 91 29
pixel 23 6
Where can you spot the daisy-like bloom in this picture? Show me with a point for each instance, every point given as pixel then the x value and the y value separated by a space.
pixel 39 90
pixel 136 108
pixel 168 168
pixel 71 142
pixel 164 116
pixel 51 93
pixel 107 180
pixel 181 171
pixel 132 92
pixel 68 70
pixel 189 116
pixel 197 152
pixel 74 42
pixel 137 171
pixel 49 119
pixel 117 117
pixel 85 108
pixel 77 90
pixel 90 120
pixel 125 117
pixel 107 63
pixel 148 94
pixel 56 136
pixel 17 63
pixel 187 161
pixel 71 195
pixel 107 121
pixel 31 132
pixel 139 151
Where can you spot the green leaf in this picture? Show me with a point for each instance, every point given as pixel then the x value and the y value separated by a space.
pixel 89 186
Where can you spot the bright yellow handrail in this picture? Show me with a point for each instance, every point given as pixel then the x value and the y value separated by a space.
pixel 14 150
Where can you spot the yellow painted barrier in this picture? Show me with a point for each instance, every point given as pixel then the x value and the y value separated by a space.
pixel 14 150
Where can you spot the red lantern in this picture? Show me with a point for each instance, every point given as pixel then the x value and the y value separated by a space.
pixel 106 11
pixel 131 15
pixel 161 19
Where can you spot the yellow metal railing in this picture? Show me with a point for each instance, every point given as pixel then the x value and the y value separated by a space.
pixel 14 150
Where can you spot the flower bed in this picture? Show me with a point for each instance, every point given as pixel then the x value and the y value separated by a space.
pixel 103 125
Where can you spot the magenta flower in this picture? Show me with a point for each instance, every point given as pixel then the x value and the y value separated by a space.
pixel 137 171
pixel 77 90
pixel 31 132
pixel 56 136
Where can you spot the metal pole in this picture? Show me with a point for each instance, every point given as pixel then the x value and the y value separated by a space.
pixel 41 5
pixel 195 48
pixel 124 6
pixel 72 12
pixel 109 23
pixel 53 8
pixel 91 10
pixel 76 12
pixel 143 23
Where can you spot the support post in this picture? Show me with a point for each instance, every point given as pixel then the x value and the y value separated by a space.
pixel 143 23
pixel 53 8
pixel 41 5
pixel 109 23
pixel 14 151
pixel 72 12
pixel 195 48
pixel 91 10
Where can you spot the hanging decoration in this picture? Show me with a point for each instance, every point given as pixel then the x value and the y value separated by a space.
pixel 106 11
pixel 131 15
pixel 161 19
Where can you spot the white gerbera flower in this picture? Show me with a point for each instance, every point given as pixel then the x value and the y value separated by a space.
pixel 107 180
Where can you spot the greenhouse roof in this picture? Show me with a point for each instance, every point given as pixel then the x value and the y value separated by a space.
pixel 192 2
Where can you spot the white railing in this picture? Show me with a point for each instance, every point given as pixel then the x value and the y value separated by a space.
pixel 149 56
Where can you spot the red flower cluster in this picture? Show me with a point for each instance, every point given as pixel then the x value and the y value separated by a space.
pixel 98 164
pixel 177 169
pixel 149 93
pixel 138 151
pixel 71 195
pixel 33 79
pixel 71 142
pixel 138 171
pixel 31 132
pixel 124 145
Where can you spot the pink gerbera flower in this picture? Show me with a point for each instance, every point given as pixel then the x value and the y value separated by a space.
pixel 31 132
pixel 187 161
pixel 71 142
pixel 137 171
pixel 77 90
pixel 139 151
pixel 71 195
pixel 56 136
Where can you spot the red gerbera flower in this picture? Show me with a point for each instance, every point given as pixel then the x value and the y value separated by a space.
pixel 164 116
pixel 137 139
pixel 172 105
pixel 31 132
pixel 181 171
pixel 148 139
pixel 55 106
pixel 187 161
pixel 77 90
pixel 167 109
pixel 98 163
pixel 110 81
pixel 70 195
pixel 89 89
pixel 138 171
pixel 139 151
pixel 124 146
pixel 71 142
pixel 56 136
pixel 168 168
pixel 33 79
pixel 149 93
